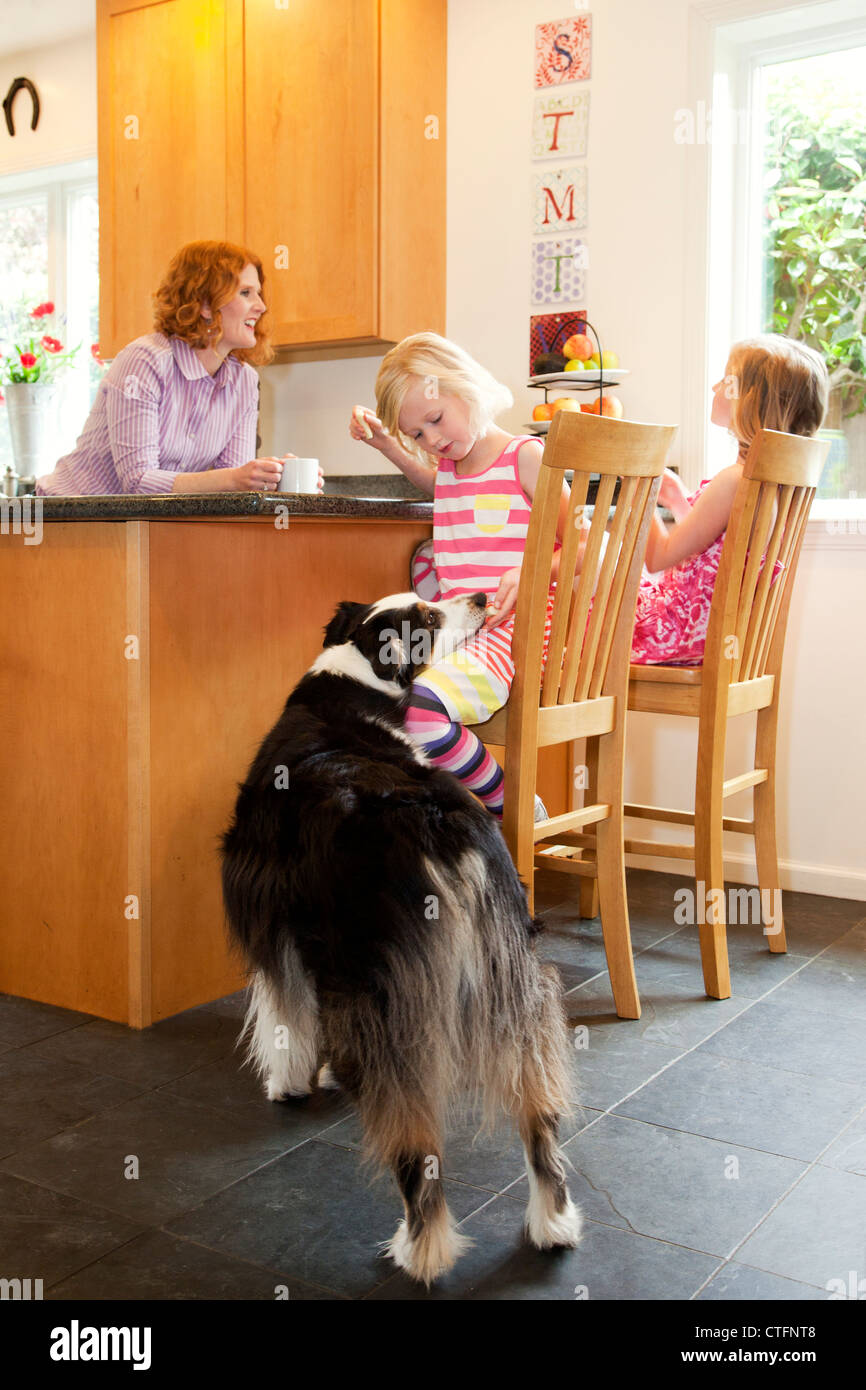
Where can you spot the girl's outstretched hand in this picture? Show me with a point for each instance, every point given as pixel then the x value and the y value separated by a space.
pixel 367 427
pixel 504 599
pixel 672 494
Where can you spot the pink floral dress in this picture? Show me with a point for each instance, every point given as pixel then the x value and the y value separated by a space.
pixel 673 608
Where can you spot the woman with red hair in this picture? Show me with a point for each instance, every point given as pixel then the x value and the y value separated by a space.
pixel 177 410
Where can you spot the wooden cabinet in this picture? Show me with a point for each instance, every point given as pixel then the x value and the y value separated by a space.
pixel 312 133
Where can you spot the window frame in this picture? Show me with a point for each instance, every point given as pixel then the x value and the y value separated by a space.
pixel 60 184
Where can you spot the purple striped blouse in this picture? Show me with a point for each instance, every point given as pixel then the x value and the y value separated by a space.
pixel 159 412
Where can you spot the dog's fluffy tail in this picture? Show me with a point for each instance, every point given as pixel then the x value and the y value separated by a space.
pixel 469 1010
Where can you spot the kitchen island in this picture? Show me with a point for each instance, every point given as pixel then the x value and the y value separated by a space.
pixel 148 645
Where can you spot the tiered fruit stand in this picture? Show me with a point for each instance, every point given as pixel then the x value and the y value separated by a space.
pixel 577 380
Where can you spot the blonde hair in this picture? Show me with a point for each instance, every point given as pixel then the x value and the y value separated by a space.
pixel 779 384
pixel 445 369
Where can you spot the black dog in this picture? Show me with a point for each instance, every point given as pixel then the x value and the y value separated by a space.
pixel 386 930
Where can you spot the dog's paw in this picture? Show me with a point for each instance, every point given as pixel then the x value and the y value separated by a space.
pixel 548 1229
pixel 326 1078
pixel 274 1091
pixel 432 1254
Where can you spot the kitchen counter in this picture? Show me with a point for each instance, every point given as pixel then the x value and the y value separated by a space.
pixel 148 646
pixel 368 497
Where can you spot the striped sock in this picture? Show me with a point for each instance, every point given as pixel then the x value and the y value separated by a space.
pixel 456 749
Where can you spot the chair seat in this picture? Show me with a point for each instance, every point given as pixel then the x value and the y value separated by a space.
pixel 555 723
pixel 677 690
pixel 672 675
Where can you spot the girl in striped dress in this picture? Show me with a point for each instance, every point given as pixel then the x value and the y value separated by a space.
pixel 435 407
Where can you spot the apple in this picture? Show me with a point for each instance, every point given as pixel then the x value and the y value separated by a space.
pixel 609 359
pixel 610 405
pixel 575 365
pixel 565 403
pixel 579 345
pixel 543 411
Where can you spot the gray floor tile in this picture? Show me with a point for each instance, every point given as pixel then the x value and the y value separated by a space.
pixel 615 1061
pixel 673 1186
pixel 830 986
pixel 315 1214
pixel 228 1084
pixel 737 1282
pixel 849 1150
pixel 779 1032
pixel 817 918
pixel 159 1266
pixel 780 1112
pixel 817 1234
pixel 185 1152
pixel 754 968
pixel 47 1235
pixel 676 1018
pixel 850 949
pixel 150 1056
pixel 608 1264
pixel 39 1098
pixel 24 1021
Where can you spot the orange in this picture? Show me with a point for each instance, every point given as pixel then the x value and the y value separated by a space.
pixel 543 411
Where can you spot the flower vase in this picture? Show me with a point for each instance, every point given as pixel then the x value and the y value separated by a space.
pixel 31 425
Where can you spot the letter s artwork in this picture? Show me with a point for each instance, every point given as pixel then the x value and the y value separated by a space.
pixel 563 51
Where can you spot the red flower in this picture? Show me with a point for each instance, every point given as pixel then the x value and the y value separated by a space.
pixel 42 310
pixel 52 345
pixel 2 398
pixel 94 352
pixel 27 360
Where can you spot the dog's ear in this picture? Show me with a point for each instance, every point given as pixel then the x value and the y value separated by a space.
pixel 344 622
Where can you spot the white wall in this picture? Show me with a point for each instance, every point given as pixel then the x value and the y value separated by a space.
pixel 65 77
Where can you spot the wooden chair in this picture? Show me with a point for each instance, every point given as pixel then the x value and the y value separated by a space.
pixel 584 689
pixel 740 672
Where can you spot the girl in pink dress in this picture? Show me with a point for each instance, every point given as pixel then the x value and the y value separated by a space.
pixel 770 382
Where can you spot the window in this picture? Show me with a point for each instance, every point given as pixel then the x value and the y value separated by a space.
pixel 788 202
pixel 49 250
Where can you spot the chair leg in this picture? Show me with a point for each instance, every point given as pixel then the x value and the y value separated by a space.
pixel 518 828
pixel 765 831
pixel 589 886
pixel 709 859
pixel 611 876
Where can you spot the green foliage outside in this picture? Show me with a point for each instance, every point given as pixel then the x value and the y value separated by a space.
pixel 815 162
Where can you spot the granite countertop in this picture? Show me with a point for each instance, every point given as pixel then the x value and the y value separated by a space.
pixel 381 497
pixel 375 496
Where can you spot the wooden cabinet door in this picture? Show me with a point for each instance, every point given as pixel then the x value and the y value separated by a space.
pixel 162 148
pixel 311 104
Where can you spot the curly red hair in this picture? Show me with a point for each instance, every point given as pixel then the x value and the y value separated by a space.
pixel 207 272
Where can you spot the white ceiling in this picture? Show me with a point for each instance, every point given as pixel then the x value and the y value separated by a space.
pixel 33 23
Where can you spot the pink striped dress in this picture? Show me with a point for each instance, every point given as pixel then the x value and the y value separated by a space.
pixel 480 524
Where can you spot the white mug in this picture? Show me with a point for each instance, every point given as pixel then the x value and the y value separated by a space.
pixel 300 475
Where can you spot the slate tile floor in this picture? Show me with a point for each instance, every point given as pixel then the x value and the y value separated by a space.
pixel 720 1151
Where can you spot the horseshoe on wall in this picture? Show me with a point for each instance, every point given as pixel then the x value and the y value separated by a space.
pixel 17 85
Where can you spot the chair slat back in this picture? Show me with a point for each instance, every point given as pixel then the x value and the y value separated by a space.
pixel 593 611
pixel 768 519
